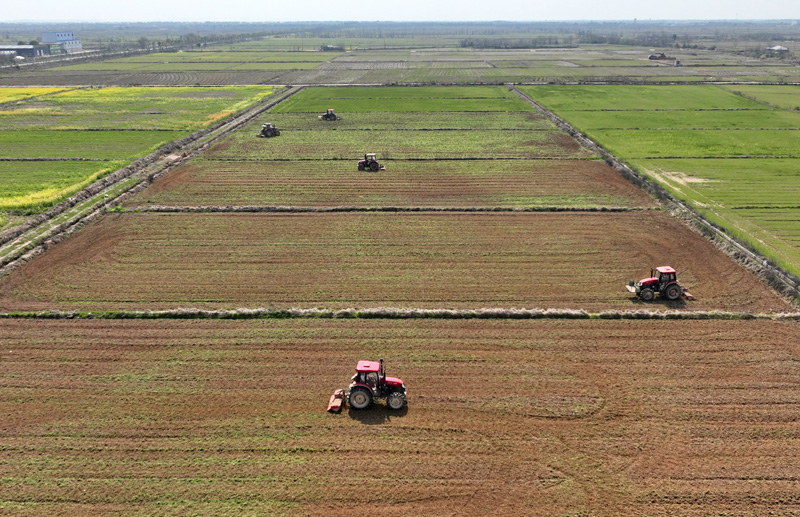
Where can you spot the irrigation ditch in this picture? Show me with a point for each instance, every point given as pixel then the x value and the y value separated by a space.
pixel 25 241
pixel 785 283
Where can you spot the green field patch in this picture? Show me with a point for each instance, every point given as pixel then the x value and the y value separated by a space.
pixel 644 143
pixel 103 66
pixel 528 120
pixel 693 119
pixel 317 145
pixel 231 57
pixel 290 65
pixel 635 62
pixel 404 99
pixel 9 94
pixel 774 232
pixel 729 183
pixel 32 186
pixel 782 96
pixel 104 145
pixel 667 97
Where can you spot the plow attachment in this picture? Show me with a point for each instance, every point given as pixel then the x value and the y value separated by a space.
pixel 336 404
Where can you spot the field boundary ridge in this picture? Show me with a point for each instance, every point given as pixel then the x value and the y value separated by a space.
pixel 335 209
pixel 400 313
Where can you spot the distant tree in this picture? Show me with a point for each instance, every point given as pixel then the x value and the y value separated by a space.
pixel 33 42
pixel 144 42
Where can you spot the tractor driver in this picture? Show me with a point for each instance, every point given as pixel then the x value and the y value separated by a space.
pixel 372 379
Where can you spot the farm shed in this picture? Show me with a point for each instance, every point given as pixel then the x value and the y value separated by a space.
pixel 27 50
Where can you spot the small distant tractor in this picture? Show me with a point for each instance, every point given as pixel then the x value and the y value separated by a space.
pixel 371 163
pixel 369 383
pixel 330 115
pixel 269 130
pixel 663 280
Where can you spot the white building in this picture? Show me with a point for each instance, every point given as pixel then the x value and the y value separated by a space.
pixel 65 40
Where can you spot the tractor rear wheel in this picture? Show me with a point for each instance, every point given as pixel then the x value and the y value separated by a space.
pixel 374 166
pixel 395 400
pixel 673 292
pixel 647 294
pixel 360 398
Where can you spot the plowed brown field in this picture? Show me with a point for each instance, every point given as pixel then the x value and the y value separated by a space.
pixel 442 183
pixel 549 417
pixel 440 260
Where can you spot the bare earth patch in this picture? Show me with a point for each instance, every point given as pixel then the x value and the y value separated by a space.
pixel 341 260
pixel 561 416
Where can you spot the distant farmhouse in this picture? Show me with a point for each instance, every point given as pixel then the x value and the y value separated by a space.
pixel 61 42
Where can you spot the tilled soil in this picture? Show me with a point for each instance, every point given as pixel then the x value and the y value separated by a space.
pixel 342 260
pixel 436 183
pixel 504 417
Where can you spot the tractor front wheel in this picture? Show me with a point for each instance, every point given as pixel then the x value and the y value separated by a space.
pixel 361 166
pixel 360 398
pixel 673 292
pixel 395 400
pixel 647 294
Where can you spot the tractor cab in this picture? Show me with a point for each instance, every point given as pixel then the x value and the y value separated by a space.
pixel 369 373
pixel 664 274
pixel 659 277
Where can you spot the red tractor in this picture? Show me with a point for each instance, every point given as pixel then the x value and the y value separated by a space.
pixel 368 383
pixel 371 163
pixel 663 280
pixel 330 115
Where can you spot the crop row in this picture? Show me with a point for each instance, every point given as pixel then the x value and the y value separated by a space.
pixel 403 99
pixel 200 66
pixel 104 145
pixel 485 120
pixel 132 107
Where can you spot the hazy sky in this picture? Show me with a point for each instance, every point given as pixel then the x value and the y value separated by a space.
pixel 397 10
